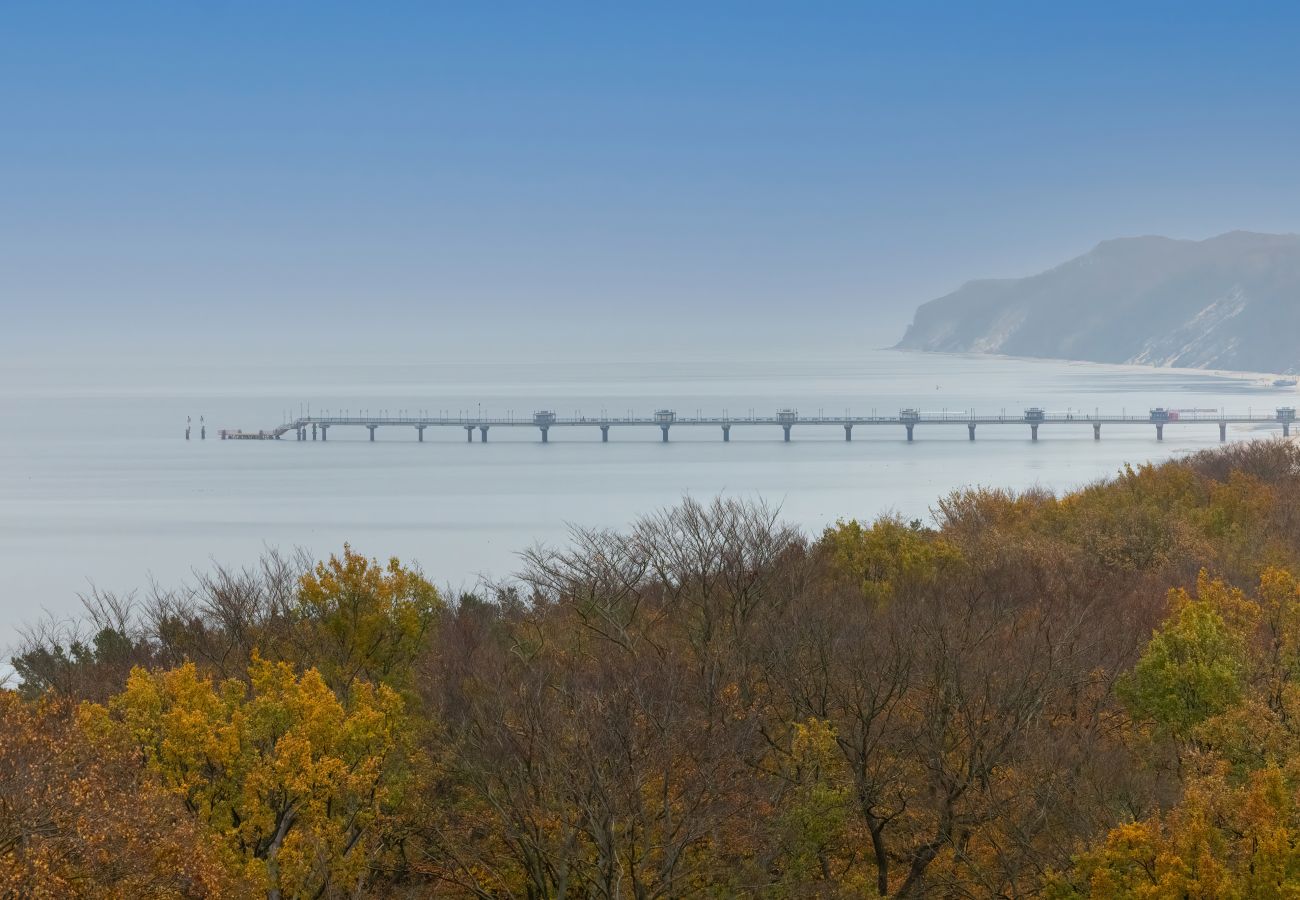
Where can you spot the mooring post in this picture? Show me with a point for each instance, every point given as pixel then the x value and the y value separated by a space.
pixel 1096 431
pixel 848 432
pixel 726 434
pixel 1033 432
pixel 482 434
pixel 970 431
pixel 1223 432
pixel 1160 432
pixel 786 428
pixel 604 434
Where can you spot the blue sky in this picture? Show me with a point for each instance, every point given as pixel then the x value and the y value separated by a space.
pixel 492 179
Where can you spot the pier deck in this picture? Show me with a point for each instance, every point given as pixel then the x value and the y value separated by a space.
pixel 317 427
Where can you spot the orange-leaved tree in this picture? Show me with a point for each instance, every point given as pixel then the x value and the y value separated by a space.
pixel 79 817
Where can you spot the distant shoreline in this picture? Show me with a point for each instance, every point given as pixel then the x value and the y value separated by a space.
pixel 1228 374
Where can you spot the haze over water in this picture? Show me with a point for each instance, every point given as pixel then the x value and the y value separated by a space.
pixel 99 484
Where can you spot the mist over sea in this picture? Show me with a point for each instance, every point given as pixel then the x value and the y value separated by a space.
pixel 97 483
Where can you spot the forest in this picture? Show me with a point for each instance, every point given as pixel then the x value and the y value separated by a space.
pixel 1088 695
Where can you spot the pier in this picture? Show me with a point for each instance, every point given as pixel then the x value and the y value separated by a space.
pixel 313 428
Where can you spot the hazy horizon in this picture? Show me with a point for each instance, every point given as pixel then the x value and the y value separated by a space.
pixel 536 183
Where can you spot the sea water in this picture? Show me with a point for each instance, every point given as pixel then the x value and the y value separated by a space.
pixel 99 486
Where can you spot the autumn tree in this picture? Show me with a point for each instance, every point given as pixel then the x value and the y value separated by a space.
pixel 357 620
pixel 80 818
pixel 292 779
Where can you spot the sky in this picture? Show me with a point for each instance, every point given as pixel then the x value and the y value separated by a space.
pixel 480 181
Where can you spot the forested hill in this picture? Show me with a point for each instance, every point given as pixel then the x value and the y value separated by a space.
pixel 1229 302
pixel 1094 695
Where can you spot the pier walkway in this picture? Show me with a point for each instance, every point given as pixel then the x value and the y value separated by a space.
pixel 318 427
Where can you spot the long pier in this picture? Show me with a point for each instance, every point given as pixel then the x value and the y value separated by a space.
pixel 318 427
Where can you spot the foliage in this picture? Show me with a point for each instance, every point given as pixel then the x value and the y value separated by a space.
pixel 359 620
pixel 290 778
pixel 886 554
pixel 1096 694
pixel 79 819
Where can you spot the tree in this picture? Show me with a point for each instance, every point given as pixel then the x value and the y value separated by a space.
pixel 1195 665
pixel 355 619
pixel 292 779
pixel 79 817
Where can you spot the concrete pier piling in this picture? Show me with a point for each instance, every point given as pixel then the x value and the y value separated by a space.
pixel 848 432
pixel 726 434
pixel 604 434
pixel 1033 432
pixel 970 432
pixel 1096 431
pixel 1160 432
pixel 786 429
pixel 482 434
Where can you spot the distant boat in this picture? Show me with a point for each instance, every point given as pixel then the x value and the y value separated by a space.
pixel 1284 382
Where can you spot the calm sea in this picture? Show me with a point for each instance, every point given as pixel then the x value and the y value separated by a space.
pixel 97 483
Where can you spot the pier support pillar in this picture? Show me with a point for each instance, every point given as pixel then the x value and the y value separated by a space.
pixel 604 434
pixel 324 432
pixel 469 433
pixel 419 429
pixel 545 437
pixel 1160 432
pixel 1286 429
pixel 1033 432
pixel 909 432
pixel 848 432
pixel 786 428
pixel 482 434
pixel 302 434
pixel 1223 432
pixel 372 431
pixel 726 434
pixel 664 429
pixel 313 431
pixel 970 431
pixel 1096 431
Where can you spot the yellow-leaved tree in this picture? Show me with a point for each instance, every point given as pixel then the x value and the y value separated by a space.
pixel 358 619
pixel 291 777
